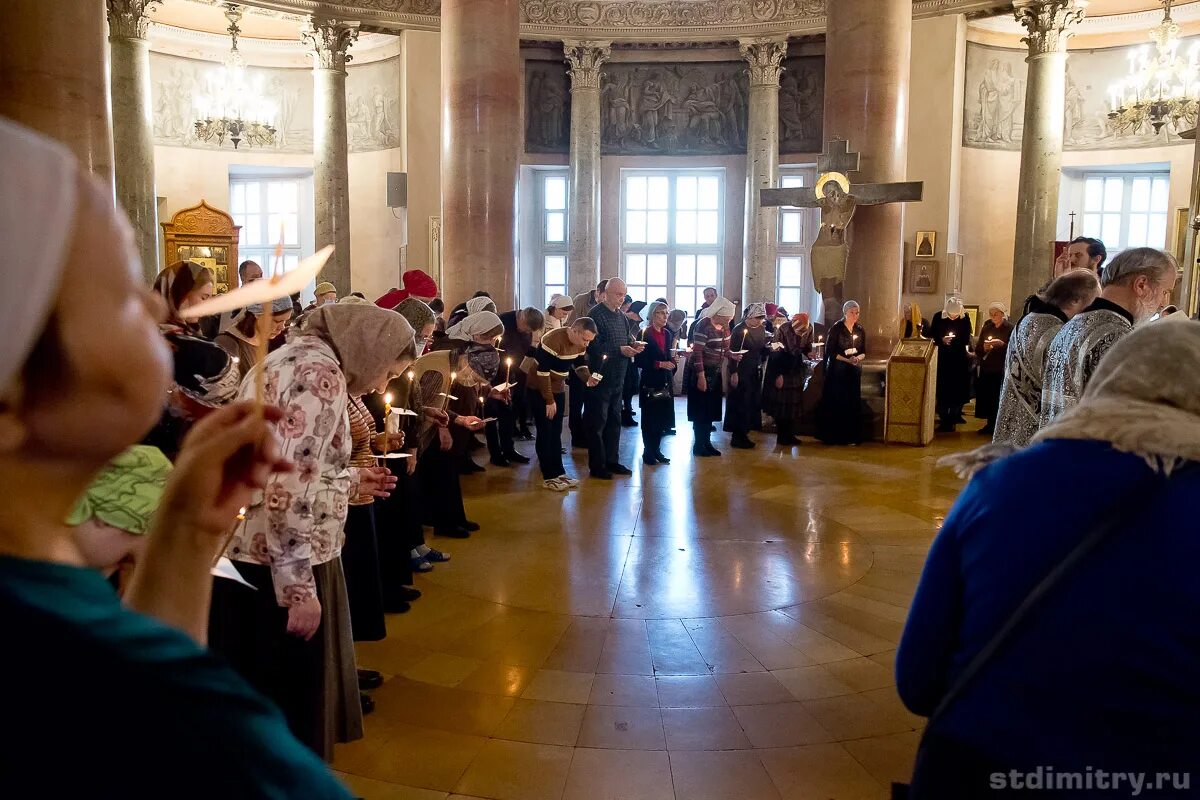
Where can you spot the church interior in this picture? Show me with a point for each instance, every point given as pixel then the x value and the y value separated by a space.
pixel 688 627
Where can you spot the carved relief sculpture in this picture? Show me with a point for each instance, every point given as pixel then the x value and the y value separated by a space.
pixel 547 107
pixel 802 104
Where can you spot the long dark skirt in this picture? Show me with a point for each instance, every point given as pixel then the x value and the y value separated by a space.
pixel 441 490
pixel 314 683
pixel 743 407
pixel 987 395
pixel 839 417
pixel 398 530
pixel 364 584
pixel 705 406
pixel 785 404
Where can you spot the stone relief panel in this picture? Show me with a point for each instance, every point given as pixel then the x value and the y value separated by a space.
pixel 802 105
pixel 994 101
pixel 372 104
pixel 547 107
pixel 696 108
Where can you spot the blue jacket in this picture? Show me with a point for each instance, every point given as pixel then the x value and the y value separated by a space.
pixel 1105 672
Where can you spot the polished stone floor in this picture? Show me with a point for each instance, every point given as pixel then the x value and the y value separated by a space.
pixel 709 630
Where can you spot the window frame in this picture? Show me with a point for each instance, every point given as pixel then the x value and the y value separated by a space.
pixel 800 250
pixel 264 253
pixel 672 249
pixel 546 249
pixel 1126 211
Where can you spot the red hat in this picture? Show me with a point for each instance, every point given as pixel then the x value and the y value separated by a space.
pixel 415 282
pixel 392 299
pixel 772 309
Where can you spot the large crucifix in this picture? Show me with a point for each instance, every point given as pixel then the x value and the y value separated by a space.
pixel 837 198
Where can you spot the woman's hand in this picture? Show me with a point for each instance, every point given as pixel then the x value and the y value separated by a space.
pixel 503 395
pixel 778 381
pixel 468 422
pixel 304 618
pixel 665 365
pixel 411 463
pixel 551 410
pixel 225 458
pixel 437 416
pixel 376 481
pixel 388 442
pixel 733 380
pixel 702 382
pixel 445 441
pixel 593 382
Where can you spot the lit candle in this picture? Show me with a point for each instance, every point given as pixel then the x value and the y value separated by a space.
pixel 507 370
pixel 745 331
pixel 387 420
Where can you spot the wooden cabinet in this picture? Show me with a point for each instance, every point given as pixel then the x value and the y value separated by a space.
pixel 207 236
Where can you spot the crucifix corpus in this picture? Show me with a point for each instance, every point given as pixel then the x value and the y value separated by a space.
pixel 837 198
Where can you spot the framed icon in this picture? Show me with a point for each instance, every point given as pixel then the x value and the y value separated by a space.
pixel 926 244
pixel 923 276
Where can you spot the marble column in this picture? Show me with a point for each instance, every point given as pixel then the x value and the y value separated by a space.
pixel 53 75
pixel 1047 22
pixel 867 49
pixel 133 133
pixel 760 279
pixel 330 40
pixel 481 146
pixel 583 263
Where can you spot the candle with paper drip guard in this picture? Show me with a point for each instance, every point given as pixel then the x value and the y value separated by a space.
pixel 387 421
pixel 446 396
pixel 600 375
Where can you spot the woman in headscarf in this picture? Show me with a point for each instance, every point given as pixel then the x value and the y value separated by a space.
pixel 290 635
pixel 950 330
pixel 560 308
pixel 656 400
pixel 743 409
pixel 1025 362
pixel 206 377
pixel 481 301
pixel 462 366
pixel 240 340
pixel 787 372
pixel 710 349
pixel 70 402
pixel 839 417
pixel 990 351
pixel 1098 515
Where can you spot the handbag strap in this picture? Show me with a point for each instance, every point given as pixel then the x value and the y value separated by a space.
pixel 1112 519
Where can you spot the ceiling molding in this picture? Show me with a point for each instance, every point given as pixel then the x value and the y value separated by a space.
pixel 206 46
pixel 1113 23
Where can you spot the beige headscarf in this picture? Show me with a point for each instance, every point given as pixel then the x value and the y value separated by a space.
pixel 367 340
pixel 476 324
pixel 721 307
pixel 1144 398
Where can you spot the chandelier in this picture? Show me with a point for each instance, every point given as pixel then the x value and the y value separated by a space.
pixel 234 105
pixel 1161 88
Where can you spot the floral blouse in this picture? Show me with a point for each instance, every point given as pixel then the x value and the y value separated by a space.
pixel 296 522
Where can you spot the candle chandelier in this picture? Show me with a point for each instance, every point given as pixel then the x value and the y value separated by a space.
pixel 1161 88
pixel 234 106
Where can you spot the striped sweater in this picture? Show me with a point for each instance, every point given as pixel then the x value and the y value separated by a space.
pixel 552 360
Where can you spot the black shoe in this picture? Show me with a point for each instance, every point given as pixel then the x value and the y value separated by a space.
pixel 669 432
pixel 369 679
pixel 619 469
pixel 787 441
pixel 712 428
pixel 712 451
pixel 466 524
pixel 452 533
pixel 741 442
pixel 700 451
pixel 397 607
pixel 516 457
pixel 500 462
pixel 474 444
pixel 525 435
pixel 945 427
pixel 628 422
pixel 408 594
pixel 649 459
pixel 987 430
pixel 578 445
pixel 660 458
pixel 959 420
pixel 470 468
pixel 602 474
pixel 368 705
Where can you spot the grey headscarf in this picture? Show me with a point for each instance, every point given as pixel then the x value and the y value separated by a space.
pixel 367 340
pixel 475 324
pixel 481 303
pixel 417 313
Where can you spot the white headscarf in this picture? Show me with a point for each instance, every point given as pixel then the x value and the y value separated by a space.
pixel 475 325
pixel 481 303
pixel 721 307
pixel 561 301
pixel 953 307
pixel 999 305
pixel 39 188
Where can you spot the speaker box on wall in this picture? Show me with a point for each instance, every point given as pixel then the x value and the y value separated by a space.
pixel 397 190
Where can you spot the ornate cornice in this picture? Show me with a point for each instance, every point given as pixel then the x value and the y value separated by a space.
pixel 129 19
pixel 330 40
pixel 766 59
pixel 1047 23
pixel 584 59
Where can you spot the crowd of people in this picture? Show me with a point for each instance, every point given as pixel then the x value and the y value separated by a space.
pixel 303 452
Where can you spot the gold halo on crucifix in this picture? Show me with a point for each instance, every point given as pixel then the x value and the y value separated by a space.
pixel 837 177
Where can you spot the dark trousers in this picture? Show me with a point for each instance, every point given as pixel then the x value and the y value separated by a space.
pixel 549 435
pixel 500 434
pixel 441 492
pixel 576 393
pixel 651 441
pixel 602 415
pixel 521 406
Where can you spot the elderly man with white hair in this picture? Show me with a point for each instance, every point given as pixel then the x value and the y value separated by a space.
pixel 1135 285
pixel 609 354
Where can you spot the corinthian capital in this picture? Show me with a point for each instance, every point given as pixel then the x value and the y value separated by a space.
pixel 765 57
pixel 584 59
pixel 330 40
pixel 1047 22
pixel 128 19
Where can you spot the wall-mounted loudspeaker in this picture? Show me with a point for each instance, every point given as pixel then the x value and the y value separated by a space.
pixel 397 190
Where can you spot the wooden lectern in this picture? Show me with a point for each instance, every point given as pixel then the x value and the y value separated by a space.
pixel 910 417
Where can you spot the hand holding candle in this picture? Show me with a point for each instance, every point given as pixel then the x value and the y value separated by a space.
pixel 387 420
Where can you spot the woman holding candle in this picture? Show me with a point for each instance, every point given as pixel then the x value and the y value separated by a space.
pixel 240 340
pixel 743 409
pixel 839 418
pixel 950 330
pixel 990 350
pixel 656 400
pixel 290 635
pixel 710 349
pixel 787 372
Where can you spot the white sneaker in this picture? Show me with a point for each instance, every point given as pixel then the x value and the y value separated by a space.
pixel 570 483
pixel 554 484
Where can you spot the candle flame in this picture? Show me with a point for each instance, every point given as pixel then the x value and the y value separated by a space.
pixel 508 362
pixel 411 374
pixel 453 377
pixel 387 398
